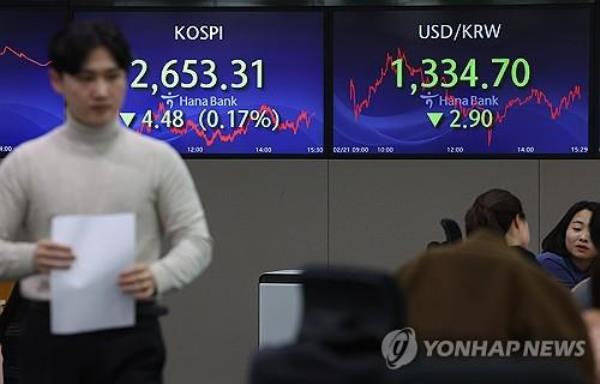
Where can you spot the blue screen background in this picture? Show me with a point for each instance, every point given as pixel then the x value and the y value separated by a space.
pixel 289 43
pixel 28 105
pixel 554 41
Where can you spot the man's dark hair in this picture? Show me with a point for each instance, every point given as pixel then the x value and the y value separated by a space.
pixel 493 210
pixel 555 241
pixel 70 48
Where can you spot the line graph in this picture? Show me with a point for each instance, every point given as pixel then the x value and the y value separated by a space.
pixel 23 56
pixel 535 95
pixel 303 118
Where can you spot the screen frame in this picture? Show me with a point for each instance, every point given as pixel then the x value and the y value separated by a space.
pixel 253 9
pixel 328 14
pixel 592 134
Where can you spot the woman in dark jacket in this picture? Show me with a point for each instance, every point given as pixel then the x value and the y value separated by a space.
pixel 571 247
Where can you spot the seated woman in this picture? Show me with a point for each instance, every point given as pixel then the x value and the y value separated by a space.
pixel 570 248
pixel 500 211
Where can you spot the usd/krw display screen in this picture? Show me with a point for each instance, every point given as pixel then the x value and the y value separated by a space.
pixel 454 81
pixel 215 82
pixel 28 105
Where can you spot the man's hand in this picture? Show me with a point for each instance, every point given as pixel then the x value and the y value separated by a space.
pixel 138 281
pixel 49 255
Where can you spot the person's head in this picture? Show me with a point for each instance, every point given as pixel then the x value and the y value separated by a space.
pixel 89 68
pixel 577 234
pixel 499 211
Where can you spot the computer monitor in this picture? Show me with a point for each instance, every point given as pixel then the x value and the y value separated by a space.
pixel 280 307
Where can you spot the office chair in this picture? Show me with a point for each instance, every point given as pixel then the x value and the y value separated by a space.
pixel 452 232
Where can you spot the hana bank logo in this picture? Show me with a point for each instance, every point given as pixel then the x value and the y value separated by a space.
pixel 399 347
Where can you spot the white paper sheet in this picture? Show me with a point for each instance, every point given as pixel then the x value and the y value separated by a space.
pixel 87 297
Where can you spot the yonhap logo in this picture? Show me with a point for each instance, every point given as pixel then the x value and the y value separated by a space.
pixel 399 347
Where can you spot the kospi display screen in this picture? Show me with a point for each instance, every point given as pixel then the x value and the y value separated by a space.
pixel 28 105
pixel 216 82
pixel 462 81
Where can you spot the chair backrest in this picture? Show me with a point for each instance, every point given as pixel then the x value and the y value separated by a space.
pixel 452 232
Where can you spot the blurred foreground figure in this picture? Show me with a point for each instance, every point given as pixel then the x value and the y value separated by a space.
pixel 92 166
pixel 484 290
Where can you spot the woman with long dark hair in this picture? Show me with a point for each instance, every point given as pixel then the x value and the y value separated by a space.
pixel 572 246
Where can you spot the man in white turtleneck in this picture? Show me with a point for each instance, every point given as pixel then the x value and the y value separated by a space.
pixel 92 165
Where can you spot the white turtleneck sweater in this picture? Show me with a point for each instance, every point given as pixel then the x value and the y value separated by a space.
pixel 76 169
